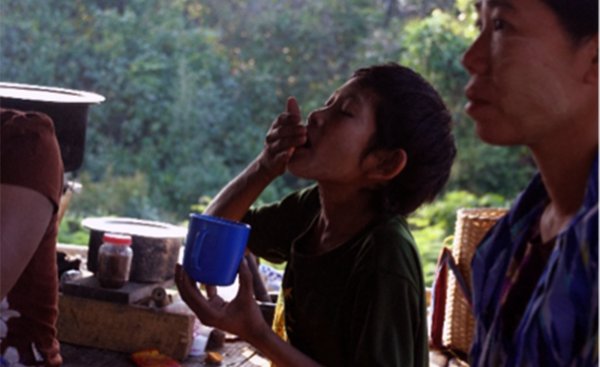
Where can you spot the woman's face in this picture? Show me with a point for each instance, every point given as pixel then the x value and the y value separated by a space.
pixel 526 74
pixel 338 135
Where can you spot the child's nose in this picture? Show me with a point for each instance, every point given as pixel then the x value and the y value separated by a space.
pixel 313 118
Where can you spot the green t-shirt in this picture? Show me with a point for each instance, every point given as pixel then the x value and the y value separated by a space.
pixel 360 304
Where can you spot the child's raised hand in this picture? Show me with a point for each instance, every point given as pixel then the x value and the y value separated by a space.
pixel 286 133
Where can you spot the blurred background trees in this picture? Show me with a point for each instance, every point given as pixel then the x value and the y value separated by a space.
pixel 191 87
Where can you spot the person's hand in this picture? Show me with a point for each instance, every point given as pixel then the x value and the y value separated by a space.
pixel 241 316
pixel 286 133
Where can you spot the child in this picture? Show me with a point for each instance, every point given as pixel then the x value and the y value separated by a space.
pixel 353 286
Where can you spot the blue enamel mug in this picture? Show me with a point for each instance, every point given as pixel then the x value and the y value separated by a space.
pixel 214 249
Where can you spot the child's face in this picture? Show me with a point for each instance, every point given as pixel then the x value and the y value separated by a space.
pixel 338 135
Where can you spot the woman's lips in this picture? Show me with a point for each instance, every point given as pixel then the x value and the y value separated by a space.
pixel 475 94
pixel 479 89
pixel 474 107
pixel 476 99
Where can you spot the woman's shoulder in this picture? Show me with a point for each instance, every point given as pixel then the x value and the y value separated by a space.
pixel 25 121
pixel 27 131
pixel 30 153
pixel 28 134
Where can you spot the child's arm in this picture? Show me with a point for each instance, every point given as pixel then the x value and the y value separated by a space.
pixel 286 133
pixel 242 316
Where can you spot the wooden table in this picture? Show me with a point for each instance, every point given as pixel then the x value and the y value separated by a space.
pixel 235 354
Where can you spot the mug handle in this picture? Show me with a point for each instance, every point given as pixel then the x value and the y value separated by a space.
pixel 198 246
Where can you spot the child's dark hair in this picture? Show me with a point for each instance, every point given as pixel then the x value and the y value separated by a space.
pixel 410 115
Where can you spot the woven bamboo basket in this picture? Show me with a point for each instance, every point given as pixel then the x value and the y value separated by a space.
pixel 459 324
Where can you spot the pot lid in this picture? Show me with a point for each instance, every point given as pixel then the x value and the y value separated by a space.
pixel 134 227
pixel 30 92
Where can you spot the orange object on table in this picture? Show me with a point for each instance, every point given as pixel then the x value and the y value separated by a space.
pixel 153 358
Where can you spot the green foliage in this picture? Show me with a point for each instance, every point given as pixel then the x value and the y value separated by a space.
pixel 192 87
pixel 433 224
pixel 201 205
pixel 482 168
pixel 432 47
pixel 126 195
pixel 71 231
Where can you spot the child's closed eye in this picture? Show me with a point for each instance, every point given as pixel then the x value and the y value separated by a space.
pixel 346 112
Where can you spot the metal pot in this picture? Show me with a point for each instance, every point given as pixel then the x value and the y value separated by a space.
pixel 66 107
pixel 155 246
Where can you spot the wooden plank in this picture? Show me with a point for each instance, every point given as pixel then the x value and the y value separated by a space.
pixel 131 292
pixel 124 328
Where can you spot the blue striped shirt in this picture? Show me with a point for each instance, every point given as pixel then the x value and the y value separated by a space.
pixel 560 324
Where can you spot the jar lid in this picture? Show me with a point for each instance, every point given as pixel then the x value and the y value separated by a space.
pixel 117 239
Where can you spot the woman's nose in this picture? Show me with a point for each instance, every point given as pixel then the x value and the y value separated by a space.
pixel 475 59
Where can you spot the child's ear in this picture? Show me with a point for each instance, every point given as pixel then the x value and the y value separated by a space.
pixel 388 164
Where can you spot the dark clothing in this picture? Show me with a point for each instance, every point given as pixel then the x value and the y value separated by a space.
pixel 558 323
pixel 360 304
pixel 30 157
pixel 528 267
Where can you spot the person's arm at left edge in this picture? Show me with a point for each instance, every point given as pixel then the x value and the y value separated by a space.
pixel 31 181
pixel 24 217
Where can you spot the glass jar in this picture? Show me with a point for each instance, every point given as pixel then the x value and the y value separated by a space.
pixel 114 260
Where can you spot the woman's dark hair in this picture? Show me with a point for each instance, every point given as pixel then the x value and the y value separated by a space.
pixel 410 115
pixel 578 17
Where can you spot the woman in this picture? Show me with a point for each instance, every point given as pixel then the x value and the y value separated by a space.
pixel 534 82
